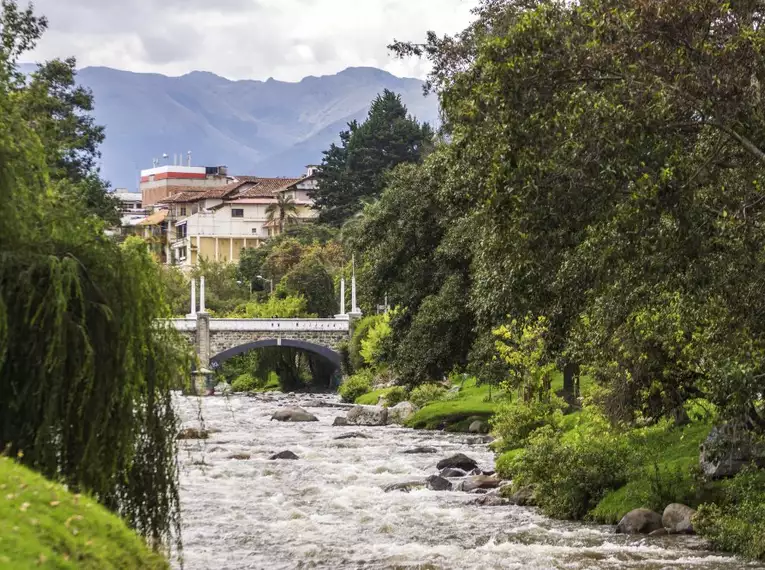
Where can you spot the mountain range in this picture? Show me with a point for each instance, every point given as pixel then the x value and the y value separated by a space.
pixel 261 128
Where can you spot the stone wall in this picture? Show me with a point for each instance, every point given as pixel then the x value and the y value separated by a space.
pixel 225 340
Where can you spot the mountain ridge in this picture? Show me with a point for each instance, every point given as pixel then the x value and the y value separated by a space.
pixel 259 127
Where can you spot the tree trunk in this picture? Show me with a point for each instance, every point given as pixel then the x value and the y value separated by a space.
pixel 570 382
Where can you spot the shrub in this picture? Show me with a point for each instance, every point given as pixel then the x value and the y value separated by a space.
pixel 570 478
pixel 360 332
pixel 738 524
pixel 355 386
pixel 515 421
pixel 373 347
pixel 245 383
pixel 396 395
pixel 423 395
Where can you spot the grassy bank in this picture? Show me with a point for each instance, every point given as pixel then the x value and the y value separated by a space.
pixel 42 525
pixel 471 402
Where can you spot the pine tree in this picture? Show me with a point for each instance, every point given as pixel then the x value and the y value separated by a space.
pixel 354 171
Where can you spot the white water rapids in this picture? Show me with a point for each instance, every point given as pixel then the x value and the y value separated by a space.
pixel 327 510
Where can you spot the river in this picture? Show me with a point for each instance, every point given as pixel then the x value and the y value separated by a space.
pixel 327 510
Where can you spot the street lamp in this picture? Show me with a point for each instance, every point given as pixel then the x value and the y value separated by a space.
pixel 270 281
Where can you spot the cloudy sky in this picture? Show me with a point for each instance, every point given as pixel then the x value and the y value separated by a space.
pixel 238 39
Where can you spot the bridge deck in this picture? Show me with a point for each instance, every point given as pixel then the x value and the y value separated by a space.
pixel 272 325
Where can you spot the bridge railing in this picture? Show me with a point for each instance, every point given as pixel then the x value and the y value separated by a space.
pixel 272 325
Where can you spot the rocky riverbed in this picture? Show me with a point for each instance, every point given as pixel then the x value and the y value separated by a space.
pixel 364 501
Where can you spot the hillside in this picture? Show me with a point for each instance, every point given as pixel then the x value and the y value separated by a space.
pixel 44 525
pixel 267 128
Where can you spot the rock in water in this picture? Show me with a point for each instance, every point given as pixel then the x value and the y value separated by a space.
pixel 459 461
pixel 437 483
pixel 452 472
pixel 401 412
pixel 677 519
pixel 352 435
pixel 293 414
pixel 340 421
pixel 639 521
pixel 728 449
pixel 416 450
pixel 489 501
pixel 193 433
pixel 523 497
pixel 284 455
pixel 479 426
pixel 480 482
pixel 404 487
pixel 367 416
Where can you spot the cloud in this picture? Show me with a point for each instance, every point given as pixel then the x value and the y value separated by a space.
pixel 284 39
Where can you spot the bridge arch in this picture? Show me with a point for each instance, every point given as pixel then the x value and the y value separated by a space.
pixel 324 351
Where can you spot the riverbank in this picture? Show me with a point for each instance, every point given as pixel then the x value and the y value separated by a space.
pixel 583 469
pixel 328 509
pixel 44 525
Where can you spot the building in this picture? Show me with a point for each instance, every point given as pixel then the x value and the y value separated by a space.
pixel 130 202
pixel 217 223
pixel 161 182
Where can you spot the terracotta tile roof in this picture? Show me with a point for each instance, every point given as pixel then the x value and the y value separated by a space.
pixel 223 191
pixel 182 197
pixel 268 186
pixel 154 219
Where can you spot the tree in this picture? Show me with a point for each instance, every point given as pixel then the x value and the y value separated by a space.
pixel 86 372
pixel 284 210
pixel 356 170
pixel 59 111
pixel 608 158
pixel 311 279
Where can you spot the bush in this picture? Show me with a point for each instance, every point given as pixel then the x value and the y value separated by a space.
pixel 396 395
pixel 570 478
pixel 360 332
pixel 423 395
pixel 738 524
pixel 515 421
pixel 374 347
pixel 356 386
pixel 245 383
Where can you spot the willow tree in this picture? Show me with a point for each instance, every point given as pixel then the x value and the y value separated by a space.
pixel 85 371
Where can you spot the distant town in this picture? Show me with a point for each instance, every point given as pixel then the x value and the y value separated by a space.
pixel 188 213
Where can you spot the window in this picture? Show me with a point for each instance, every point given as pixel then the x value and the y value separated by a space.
pixel 181 254
pixel 180 231
pixel 255 231
pixel 237 213
pixel 183 211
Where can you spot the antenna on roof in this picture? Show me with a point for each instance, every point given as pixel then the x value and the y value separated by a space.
pixel 189 155
pixel 164 157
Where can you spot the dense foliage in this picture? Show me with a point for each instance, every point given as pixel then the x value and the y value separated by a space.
pixel 85 370
pixel 355 386
pixel 355 171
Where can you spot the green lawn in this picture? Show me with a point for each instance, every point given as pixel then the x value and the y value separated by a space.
pixel 371 398
pixel 42 525
pixel 675 453
pixel 452 414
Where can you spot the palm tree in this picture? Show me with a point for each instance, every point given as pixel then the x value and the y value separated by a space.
pixel 284 209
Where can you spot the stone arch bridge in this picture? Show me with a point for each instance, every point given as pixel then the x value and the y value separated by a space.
pixel 217 340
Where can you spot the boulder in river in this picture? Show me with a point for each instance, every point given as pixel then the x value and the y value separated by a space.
pixel 489 501
pixel 284 455
pixel 677 519
pixel 437 483
pixel 340 421
pixel 367 416
pixel 422 449
pixel 293 414
pixel 401 412
pixel 404 487
pixel 193 433
pixel 639 521
pixel 353 435
pixel 459 461
pixel 480 482
pixel 478 426
pixel 728 449
pixel 523 497
pixel 452 472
